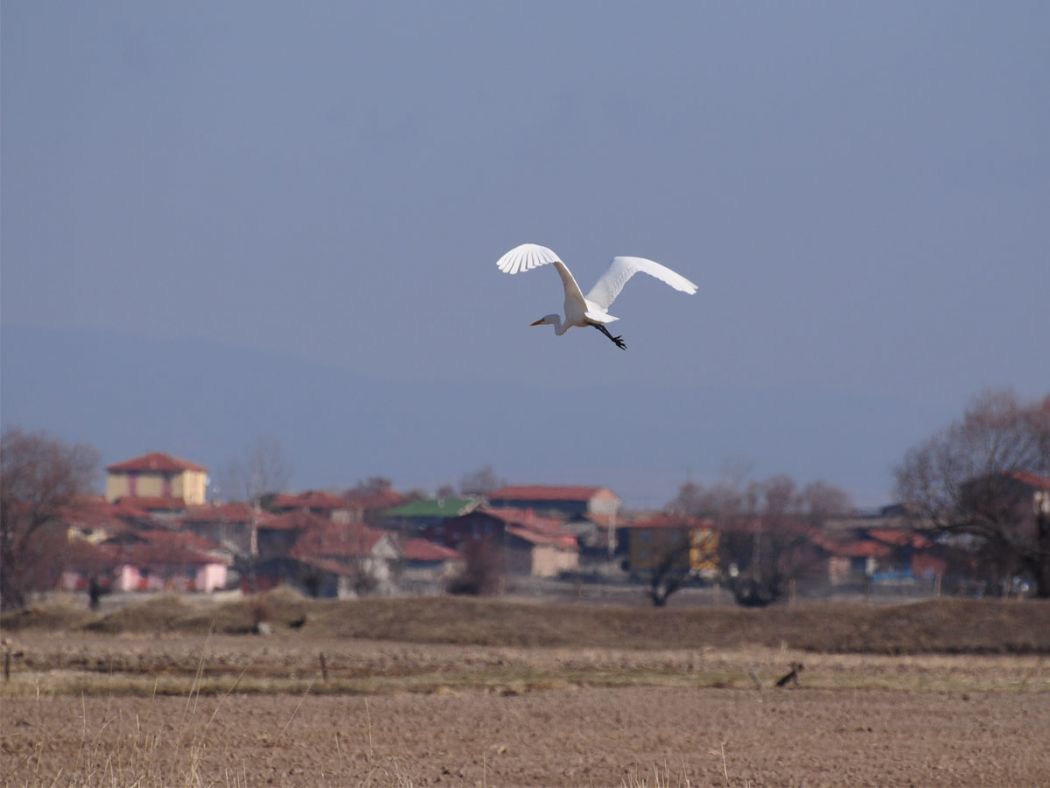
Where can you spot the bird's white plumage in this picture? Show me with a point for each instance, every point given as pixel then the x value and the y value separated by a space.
pixel 592 309
pixel 622 269
pixel 526 257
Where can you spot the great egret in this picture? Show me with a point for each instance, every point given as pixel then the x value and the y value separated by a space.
pixel 592 309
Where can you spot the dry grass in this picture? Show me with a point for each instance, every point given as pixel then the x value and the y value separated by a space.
pixel 61 614
pixel 162 749
pixel 114 750
pixel 947 626
pixel 148 666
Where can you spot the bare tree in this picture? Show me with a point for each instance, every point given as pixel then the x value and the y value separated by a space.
pixel 770 541
pixel 723 502
pixel 689 500
pixel 979 478
pixel 670 574
pixel 765 529
pixel 482 573
pixel 695 546
pixel 39 477
pixel 819 501
pixel 480 482
pixel 260 469
pixel 373 485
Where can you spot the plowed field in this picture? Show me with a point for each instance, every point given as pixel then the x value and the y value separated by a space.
pixel 624 736
pixel 505 695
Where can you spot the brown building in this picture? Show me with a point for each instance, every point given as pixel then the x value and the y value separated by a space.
pixel 529 543
pixel 687 541
pixel 316 502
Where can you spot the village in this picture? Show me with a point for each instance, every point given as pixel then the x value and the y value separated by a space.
pixel 155 531
pixel 584 394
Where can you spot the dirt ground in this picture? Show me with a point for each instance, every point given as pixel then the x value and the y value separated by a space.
pixel 603 737
pixel 503 694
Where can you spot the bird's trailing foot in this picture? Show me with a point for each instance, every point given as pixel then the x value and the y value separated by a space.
pixel 618 341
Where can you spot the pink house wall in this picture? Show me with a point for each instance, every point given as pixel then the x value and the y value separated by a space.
pixel 127 579
pixel 207 578
pixel 211 577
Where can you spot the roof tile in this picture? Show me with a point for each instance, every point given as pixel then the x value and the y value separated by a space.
pixel 425 550
pixel 156 461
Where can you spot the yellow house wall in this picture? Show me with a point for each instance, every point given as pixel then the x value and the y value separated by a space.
pixel 703 550
pixel 190 486
pixel 116 486
pixel 149 485
pixel 649 546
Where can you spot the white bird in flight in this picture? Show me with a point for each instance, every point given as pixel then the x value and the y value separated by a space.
pixel 592 309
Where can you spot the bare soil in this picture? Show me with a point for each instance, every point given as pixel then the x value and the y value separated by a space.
pixel 497 693
pixel 602 737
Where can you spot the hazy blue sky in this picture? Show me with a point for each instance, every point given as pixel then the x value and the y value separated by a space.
pixel 862 192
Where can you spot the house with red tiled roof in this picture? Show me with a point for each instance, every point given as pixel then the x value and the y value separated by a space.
pixel 368 503
pixel 323 558
pixel 423 551
pixel 1031 480
pixel 894 545
pixel 157 507
pixel 278 533
pixel 84 561
pixel 228 524
pixel 872 555
pixel 568 502
pixel 1020 495
pixel 316 502
pixel 344 542
pixel 851 560
pixel 426 567
pixel 93 519
pixel 157 475
pixel 530 543
pixel 149 561
pixel 1003 521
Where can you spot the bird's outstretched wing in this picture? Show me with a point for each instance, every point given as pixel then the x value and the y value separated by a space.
pixel 526 257
pixel 621 269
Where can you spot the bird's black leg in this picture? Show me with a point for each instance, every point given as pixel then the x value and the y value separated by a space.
pixel 618 341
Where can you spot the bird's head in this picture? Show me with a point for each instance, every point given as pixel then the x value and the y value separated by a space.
pixel 547 320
